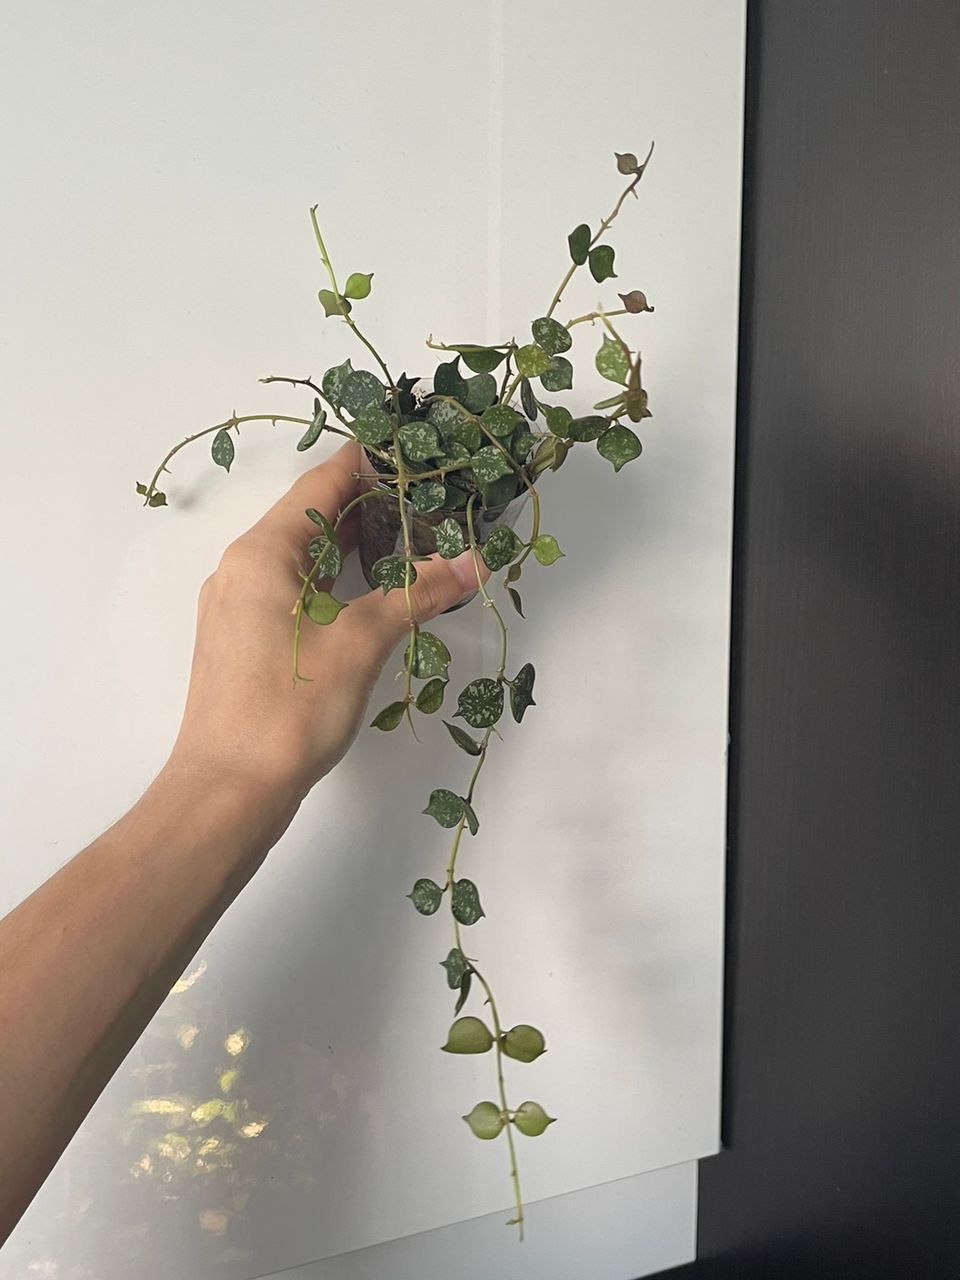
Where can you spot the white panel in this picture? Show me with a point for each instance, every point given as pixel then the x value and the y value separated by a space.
pixel 622 1230
pixel 157 261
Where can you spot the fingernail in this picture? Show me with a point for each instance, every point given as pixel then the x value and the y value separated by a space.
pixel 465 569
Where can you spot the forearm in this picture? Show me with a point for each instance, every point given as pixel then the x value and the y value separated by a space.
pixel 88 958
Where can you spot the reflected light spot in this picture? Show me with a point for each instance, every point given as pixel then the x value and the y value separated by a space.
pixel 187 981
pixel 215 1221
pixel 254 1128
pixel 157 1107
pixel 186 1036
pixel 228 1079
pixel 237 1041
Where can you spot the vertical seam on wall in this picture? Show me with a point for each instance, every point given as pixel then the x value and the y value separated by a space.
pixel 495 171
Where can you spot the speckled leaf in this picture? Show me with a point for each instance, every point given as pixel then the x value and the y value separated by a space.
pixel 329 555
pixel 559 377
pixel 333 381
pixel 499 494
pixel 546 548
pixel 587 428
pixel 481 392
pixel 532 360
pixel 579 242
pixel 489 464
pixel 430 697
pixel 372 425
pixel 481 702
pixel 222 450
pixel 500 420
pixel 428 496
pixel 321 607
pixel 619 446
pixel 445 807
pixel 420 441
pixel 431 657
pixel 454 423
pixel 358 285
pixel 612 361
pixel 449 538
pixel 601 263
pixel 465 902
pixel 521 444
pixel 389 572
pixel 361 390
pixel 558 419
pixel 426 896
pixel 521 691
pixel 551 335
pixel 502 546
pixel 463 739
pixel 322 522
pixel 456 965
pixel 389 717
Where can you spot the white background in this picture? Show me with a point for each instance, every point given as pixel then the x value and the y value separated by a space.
pixel 159 162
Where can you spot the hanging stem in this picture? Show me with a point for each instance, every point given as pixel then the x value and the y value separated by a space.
pixel 407 567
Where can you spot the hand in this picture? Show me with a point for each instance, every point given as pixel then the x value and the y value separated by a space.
pixel 244 716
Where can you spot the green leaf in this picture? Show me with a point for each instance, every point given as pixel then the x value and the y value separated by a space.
pixel 389 572
pixel 449 536
pixel 156 499
pixel 426 896
pixel 532 360
pixel 588 428
pixel 636 400
pixel 329 555
pixel 222 450
pixel 478 359
pixel 321 607
pixel 389 717
pixel 502 546
pixel 531 1119
pixel 372 425
pixel 465 902
pixel 485 1120
pixel 634 301
pixel 558 419
pixel 333 381
pixel 456 965
pixel 332 304
pixel 312 433
pixel 619 446
pixel 612 361
pixel 489 464
pixel 546 548
pixel 321 520
pixel 445 807
pixel 553 336
pixel 455 424
pixel 521 691
pixel 521 444
pixel 431 657
pixel 500 420
pixel 481 392
pixel 362 390
pixel 609 403
pixel 499 494
pixel 428 496
pixel 559 377
pixel 515 600
pixel 358 285
pixel 420 441
pixel 468 1035
pixel 528 400
pixel 524 1043
pixel 601 263
pixel 579 242
pixel 447 380
pixel 464 992
pixel 481 702
pixel 473 822
pixel 463 739
pixel 430 697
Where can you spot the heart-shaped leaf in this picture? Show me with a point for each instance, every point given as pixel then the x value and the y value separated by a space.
pixel 361 390
pixel 521 691
pixel 445 807
pixel 448 381
pixel 612 361
pixel 601 263
pixel 579 242
pixel 489 464
pixel 329 555
pixel 390 572
pixel 431 657
pixel 558 419
pixel 430 697
pixel 500 420
pixel 426 896
pixel 619 446
pixel 532 360
pixel 332 303
pixel 468 1035
pixel 524 1043
pixel 627 162
pixel 420 441
pixel 465 902
pixel 222 450
pixel 478 359
pixel 449 536
pixel 428 496
pixel 333 381
pixel 502 546
pixel 485 1120
pixel 463 739
pixel 372 426
pixel 481 392
pixel 322 608
pixel 358 285
pixel 546 548
pixel 559 377
pixel 588 428
pixel 389 717
pixel 456 965
pixel 550 334
pixel 531 1119
pixel 481 702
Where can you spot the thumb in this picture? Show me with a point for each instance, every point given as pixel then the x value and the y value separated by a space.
pixel 440 584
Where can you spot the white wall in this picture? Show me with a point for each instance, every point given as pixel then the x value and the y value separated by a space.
pixel 159 164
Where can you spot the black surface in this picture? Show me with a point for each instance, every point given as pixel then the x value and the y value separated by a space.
pixel 842 1089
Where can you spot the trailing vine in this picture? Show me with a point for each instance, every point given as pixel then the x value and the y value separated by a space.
pixel 449 466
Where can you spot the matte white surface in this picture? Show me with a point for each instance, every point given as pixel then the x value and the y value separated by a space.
pixel 622 1230
pixel 157 260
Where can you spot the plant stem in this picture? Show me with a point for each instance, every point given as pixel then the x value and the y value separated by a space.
pixel 595 315
pixel 407 566
pixel 230 424
pixel 604 225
